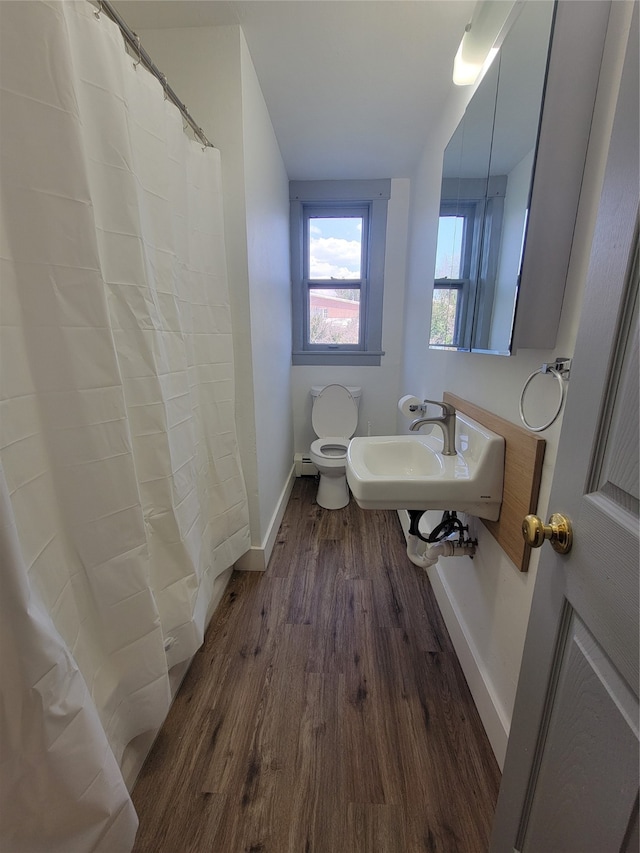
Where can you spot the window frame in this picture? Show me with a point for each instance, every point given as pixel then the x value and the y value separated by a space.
pixel 335 198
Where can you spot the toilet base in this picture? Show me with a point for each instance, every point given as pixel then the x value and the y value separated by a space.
pixel 333 492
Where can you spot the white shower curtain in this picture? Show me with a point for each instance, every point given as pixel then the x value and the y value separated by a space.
pixel 121 494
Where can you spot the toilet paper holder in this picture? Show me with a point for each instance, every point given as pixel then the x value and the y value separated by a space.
pixel 409 405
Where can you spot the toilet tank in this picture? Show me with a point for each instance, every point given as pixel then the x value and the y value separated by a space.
pixel 354 390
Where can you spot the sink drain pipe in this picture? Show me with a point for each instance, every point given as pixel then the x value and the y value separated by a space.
pixel 440 549
pixel 455 545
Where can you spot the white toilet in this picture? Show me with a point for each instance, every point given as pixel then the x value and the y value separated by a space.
pixel 334 417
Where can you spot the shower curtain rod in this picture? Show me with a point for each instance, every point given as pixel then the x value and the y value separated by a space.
pixel 133 40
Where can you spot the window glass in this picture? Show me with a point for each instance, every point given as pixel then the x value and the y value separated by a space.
pixel 334 315
pixel 335 247
pixel 444 316
pixel 449 256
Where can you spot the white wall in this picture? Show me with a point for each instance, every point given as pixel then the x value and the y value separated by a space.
pixel 267 212
pixel 211 71
pixel 377 412
pixel 487 600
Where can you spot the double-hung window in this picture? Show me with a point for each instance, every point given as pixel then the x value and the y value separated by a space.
pixel 338 231
pixel 455 260
pixel 467 257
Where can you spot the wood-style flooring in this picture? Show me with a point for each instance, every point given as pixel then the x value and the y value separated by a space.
pixel 326 711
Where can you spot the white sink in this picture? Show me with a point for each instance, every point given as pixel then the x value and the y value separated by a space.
pixel 410 471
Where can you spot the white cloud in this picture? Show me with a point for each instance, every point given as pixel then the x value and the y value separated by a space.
pixel 332 257
pixel 321 270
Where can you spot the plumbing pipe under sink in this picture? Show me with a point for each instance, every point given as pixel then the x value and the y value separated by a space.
pixel 446 548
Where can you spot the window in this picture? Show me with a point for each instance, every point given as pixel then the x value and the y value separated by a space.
pixel 455 277
pixel 334 243
pixel 338 232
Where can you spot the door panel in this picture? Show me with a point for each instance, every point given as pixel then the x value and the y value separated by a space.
pixel 605 589
pixel 589 695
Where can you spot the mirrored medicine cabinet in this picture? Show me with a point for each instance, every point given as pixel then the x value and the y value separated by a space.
pixel 510 185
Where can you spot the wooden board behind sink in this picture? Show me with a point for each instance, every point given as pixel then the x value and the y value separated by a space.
pixel 524 453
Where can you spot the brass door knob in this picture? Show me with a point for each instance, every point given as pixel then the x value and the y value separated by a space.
pixel 558 531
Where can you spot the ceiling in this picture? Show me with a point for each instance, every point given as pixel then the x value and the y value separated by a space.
pixel 353 87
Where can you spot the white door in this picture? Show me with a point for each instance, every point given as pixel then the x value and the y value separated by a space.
pixel 570 783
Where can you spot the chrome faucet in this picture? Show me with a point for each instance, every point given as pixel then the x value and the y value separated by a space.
pixel 446 421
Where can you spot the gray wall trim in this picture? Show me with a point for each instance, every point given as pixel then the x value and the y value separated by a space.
pixel 359 358
pixel 296 276
pixel 340 190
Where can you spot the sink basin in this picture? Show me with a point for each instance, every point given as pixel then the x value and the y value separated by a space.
pixel 410 471
pixel 394 456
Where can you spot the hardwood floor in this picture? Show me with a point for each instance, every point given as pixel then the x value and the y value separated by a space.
pixel 326 711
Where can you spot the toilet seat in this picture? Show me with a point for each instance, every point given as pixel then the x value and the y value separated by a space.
pixel 332 449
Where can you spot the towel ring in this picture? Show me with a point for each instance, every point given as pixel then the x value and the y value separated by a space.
pixel 559 369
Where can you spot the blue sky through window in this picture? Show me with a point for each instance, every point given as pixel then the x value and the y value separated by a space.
pixel 449 251
pixel 335 247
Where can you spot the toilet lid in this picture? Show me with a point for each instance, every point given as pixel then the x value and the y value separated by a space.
pixel 334 412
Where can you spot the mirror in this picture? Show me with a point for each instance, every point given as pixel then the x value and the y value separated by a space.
pixel 486 188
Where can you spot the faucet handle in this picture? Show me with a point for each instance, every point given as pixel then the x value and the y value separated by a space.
pixel 447 408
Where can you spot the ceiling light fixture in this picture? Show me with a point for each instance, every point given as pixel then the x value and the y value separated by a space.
pixel 481 40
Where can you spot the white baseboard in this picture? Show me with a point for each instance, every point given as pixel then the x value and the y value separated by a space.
pixel 482 691
pixel 484 696
pixel 257 558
